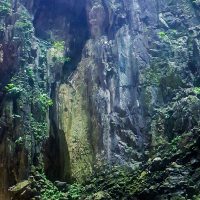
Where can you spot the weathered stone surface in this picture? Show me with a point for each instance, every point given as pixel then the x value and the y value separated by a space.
pixel 124 79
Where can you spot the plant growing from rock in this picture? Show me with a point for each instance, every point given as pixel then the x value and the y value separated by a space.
pixel 44 101
pixel 12 88
pixel 162 34
pixel 75 191
pixel 196 90
pixel 38 128
pixel 57 52
pixel 5 8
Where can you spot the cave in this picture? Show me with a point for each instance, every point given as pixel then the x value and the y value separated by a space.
pixel 99 100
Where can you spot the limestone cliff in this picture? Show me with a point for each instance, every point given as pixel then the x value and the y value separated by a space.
pixel 93 83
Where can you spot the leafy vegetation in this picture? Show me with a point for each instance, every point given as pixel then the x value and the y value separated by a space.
pixel 44 101
pixel 75 191
pixel 26 95
pixel 165 35
pixel 12 88
pixel 59 45
pixel 5 8
pixel 196 90
pixel 30 72
pixel 48 190
pixel 23 24
pixel 152 76
pixel 57 53
pixel 23 30
pixel 19 141
pixel 38 128
pixel 162 34
pixel 152 178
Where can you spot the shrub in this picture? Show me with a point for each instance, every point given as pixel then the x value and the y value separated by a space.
pixel 5 8
pixel 19 141
pixel 39 129
pixel 48 190
pixel 59 45
pixel 44 101
pixel 57 52
pixel 196 90
pixel 75 191
pixel 161 34
pixel 30 72
pixel 11 88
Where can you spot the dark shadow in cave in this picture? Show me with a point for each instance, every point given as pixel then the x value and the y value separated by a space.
pixel 56 155
pixel 67 20
pixel 76 27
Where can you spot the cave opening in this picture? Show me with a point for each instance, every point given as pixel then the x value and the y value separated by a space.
pixel 63 21
pixel 59 20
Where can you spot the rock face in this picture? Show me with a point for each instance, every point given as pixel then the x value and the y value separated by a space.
pixel 137 65
pixel 94 82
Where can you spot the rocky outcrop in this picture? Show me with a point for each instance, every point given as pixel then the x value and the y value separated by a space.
pixel 138 62
pixel 24 97
pixel 172 173
pixel 94 83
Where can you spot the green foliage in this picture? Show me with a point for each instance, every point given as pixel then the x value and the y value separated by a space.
pixel 161 34
pixel 19 141
pixel 11 88
pixel 23 25
pixel 123 183
pixel 32 97
pixel 39 129
pixel 196 197
pixel 49 191
pixel 174 32
pixel 171 80
pixel 196 90
pixel 24 28
pixel 30 72
pixel 5 8
pixel 152 76
pixel 164 36
pixel 75 191
pixel 58 49
pixel 24 21
pixel 61 59
pixel 59 45
pixel 176 140
pixel 44 101
pixel 174 143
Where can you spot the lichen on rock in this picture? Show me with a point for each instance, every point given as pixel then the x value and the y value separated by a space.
pixel 99 99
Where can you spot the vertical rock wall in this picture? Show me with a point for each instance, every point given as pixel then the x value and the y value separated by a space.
pixel 24 96
pixel 118 73
pixel 133 66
